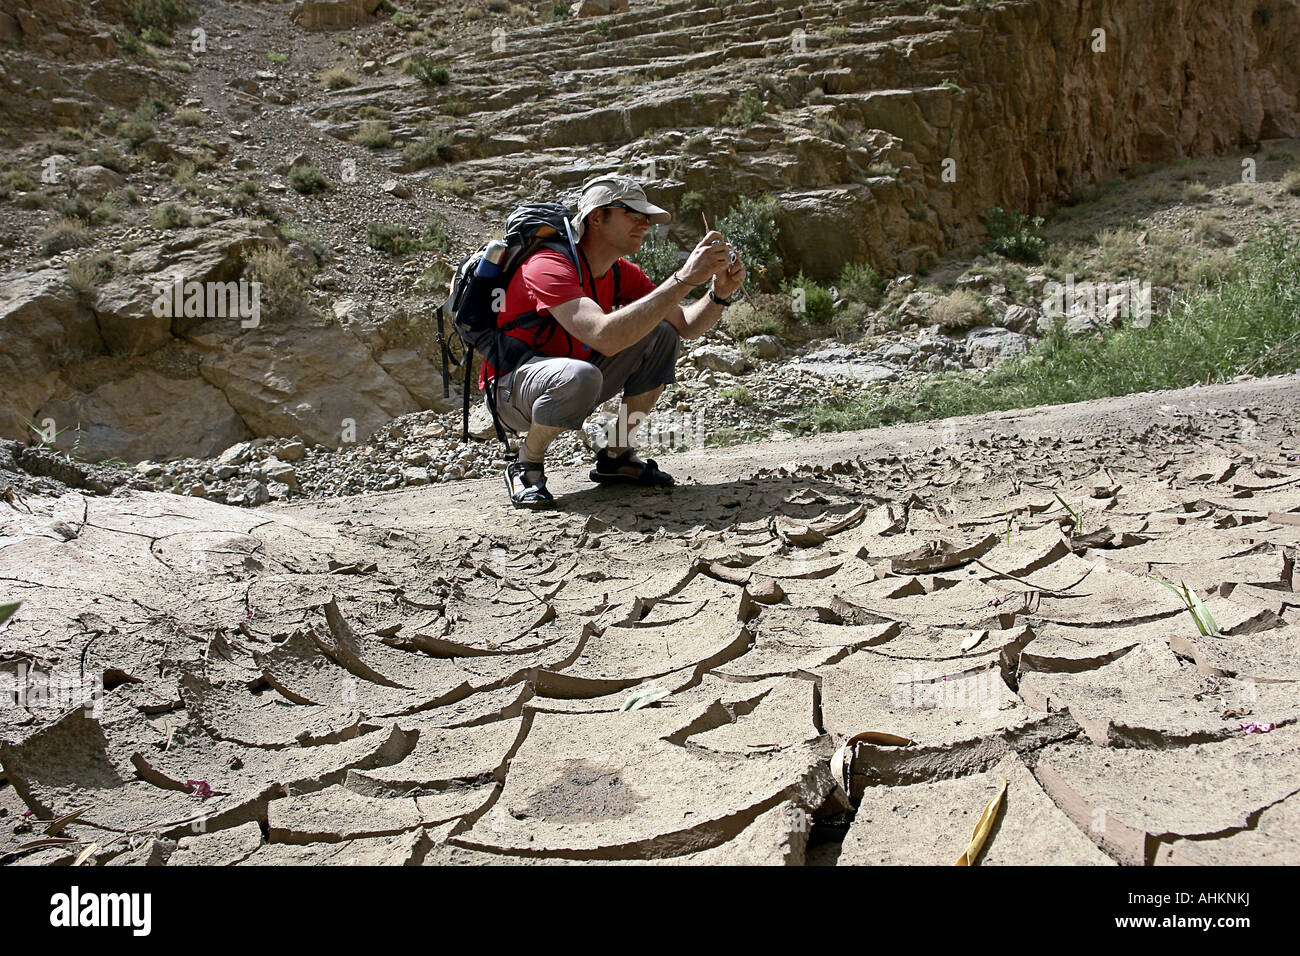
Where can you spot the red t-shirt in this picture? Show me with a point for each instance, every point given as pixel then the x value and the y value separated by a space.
pixel 548 278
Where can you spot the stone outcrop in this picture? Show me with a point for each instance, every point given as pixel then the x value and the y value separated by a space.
pixel 884 134
pixel 333 14
pixel 117 379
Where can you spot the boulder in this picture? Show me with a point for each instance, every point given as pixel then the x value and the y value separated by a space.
pixel 986 345
pixel 146 414
pixel 765 346
pixel 317 382
pixel 418 376
pixel 916 307
pixel 333 14
pixel 1020 318
pixel 43 327
pixel 94 182
pixel 718 358
pixel 599 8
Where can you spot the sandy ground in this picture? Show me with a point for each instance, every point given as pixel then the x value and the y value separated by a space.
pixel 427 676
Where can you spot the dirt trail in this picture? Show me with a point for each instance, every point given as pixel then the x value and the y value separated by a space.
pixel 426 676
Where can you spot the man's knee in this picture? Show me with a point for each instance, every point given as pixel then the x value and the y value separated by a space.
pixel 587 382
pixel 567 402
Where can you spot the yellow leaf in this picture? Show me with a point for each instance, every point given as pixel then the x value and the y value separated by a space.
pixel 85 854
pixel 982 828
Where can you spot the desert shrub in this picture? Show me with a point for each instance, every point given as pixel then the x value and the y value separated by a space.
pixel 750 227
pixel 390 237
pixel 1291 182
pixel 745 111
pixel 958 310
pixel 1212 232
pixel 282 285
pixel 138 128
pixel 337 78
pixel 62 234
pixel 435 236
pixel 861 283
pixel 1015 235
pixel 559 10
pixel 169 215
pixel 657 255
pixel 1119 250
pixel 106 156
pixel 432 148
pixel 160 15
pixel 242 198
pixel 373 134
pixel 190 117
pixel 426 70
pixel 86 272
pixel 455 186
pixel 307 179
pixel 19 181
pixel 1195 192
pixel 405 21
pixel 374 112
pixel 818 305
pixel 744 321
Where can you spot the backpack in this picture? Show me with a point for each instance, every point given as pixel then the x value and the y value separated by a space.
pixel 476 299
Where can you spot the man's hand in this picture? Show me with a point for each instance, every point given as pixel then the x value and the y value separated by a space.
pixel 707 260
pixel 729 280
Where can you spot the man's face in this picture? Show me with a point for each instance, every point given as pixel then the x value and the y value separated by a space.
pixel 623 228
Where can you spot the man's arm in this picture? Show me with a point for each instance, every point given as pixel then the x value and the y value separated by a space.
pixel 610 334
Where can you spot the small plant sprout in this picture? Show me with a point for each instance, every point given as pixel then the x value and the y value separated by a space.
pixel 7 610
pixel 644 696
pixel 1195 606
pixel 1074 515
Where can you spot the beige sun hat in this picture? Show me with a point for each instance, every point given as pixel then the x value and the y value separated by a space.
pixel 607 190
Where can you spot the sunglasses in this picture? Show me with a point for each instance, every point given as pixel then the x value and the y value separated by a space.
pixel 640 217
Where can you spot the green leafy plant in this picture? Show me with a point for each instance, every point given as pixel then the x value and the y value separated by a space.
pixel 750 227
pixel 861 283
pixel 1205 623
pixel 559 11
pixel 818 305
pixel 657 256
pixel 426 70
pixel 1015 235
pixel 7 610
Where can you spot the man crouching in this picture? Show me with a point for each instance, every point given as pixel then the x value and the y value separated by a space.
pixel 610 328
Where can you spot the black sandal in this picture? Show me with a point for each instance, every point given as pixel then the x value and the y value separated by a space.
pixel 528 495
pixel 607 471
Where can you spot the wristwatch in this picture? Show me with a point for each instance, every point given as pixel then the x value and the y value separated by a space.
pixel 714 298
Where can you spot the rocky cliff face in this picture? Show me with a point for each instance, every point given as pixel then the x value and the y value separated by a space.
pixel 884 129
pixel 885 133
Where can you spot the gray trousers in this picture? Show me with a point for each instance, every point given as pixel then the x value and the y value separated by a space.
pixel 562 392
